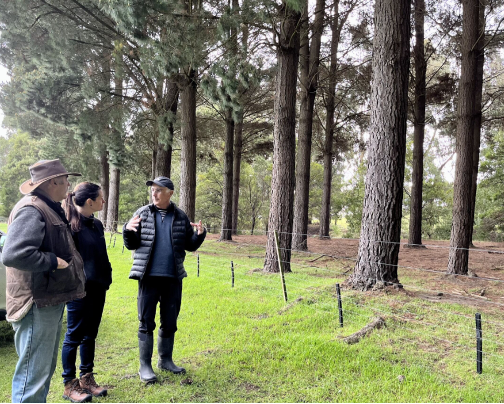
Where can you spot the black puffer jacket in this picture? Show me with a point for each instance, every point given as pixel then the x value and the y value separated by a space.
pixel 183 238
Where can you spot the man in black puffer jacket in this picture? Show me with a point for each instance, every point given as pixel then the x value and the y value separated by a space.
pixel 160 234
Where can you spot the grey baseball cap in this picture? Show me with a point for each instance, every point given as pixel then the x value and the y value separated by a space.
pixel 162 182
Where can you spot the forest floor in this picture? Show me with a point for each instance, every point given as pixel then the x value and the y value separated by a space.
pixel 484 283
pixel 240 342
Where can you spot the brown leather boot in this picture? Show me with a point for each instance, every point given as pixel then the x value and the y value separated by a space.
pixel 88 382
pixel 75 393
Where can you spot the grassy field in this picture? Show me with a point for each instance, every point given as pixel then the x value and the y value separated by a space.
pixel 244 344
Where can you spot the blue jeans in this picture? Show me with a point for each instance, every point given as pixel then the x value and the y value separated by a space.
pixel 37 341
pixel 83 319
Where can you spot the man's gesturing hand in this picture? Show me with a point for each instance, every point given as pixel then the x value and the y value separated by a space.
pixel 133 224
pixel 199 226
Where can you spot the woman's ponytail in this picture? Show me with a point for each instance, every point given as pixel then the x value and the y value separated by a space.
pixel 71 212
pixel 81 193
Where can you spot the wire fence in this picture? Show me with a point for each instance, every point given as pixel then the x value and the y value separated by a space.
pixel 459 333
pixel 445 327
pixel 441 319
pixel 462 332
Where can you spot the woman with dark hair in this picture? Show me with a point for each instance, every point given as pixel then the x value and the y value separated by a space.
pixel 84 315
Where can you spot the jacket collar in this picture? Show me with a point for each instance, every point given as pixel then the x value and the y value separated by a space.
pixel 87 220
pixel 171 207
pixel 56 206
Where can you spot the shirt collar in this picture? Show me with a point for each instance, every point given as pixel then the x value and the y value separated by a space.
pixel 170 207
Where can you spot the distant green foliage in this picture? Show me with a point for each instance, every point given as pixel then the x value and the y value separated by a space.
pixel 437 197
pixel 134 194
pixel 316 191
pixel 353 197
pixel 18 153
pixel 489 215
pixel 255 195
pixel 209 198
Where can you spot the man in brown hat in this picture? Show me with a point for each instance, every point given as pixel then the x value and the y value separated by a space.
pixel 44 271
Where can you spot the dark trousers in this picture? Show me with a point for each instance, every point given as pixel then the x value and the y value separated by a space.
pixel 83 319
pixel 166 291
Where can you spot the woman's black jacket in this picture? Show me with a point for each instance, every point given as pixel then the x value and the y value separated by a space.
pixel 90 242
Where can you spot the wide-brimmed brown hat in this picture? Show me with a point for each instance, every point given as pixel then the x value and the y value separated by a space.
pixel 43 171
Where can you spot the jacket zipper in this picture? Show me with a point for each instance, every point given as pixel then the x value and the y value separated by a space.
pixel 150 251
pixel 172 246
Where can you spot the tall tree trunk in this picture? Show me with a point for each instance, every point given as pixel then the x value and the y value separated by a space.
pixel 325 214
pixel 478 94
pixel 415 227
pixel 104 182
pixel 238 140
pixel 154 155
pixel 461 224
pixel 381 216
pixel 164 149
pixel 253 225
pixel 284 142
pixel 117 147
pixel 113 205
pixel 163 160
pixel 187 200
pixel 309 56
pixel 237 156
pixel 227 192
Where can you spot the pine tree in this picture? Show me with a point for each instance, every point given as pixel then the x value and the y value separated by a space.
pixel 283 179
pixel 381 218
pixel 460 234
pixel 415 229
pixel 309 66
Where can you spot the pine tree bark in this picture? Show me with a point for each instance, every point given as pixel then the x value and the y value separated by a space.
pixel 309 57
pixel 478 95
pixel 164 149
pixel 187 200
pixel 104 183
pixel 284 143
pixel 461 224
pixel 237 157
pixel 381 217
pixel 113 205
pixel 325 213
pixel 415 226
pixel 115 171
pixel 154 156
pixel 238 136
pixel 227 191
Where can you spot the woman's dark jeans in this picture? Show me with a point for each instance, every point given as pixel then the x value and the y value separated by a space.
pixel 83 319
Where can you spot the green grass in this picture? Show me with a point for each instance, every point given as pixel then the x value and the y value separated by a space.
pixel 244 344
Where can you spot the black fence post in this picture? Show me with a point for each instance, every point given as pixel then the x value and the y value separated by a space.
pixel 114 241
pixel 280 265
pixel 122 250
pixel 198 265
pixel 479 345
pixel 232 274
pixel 340 308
